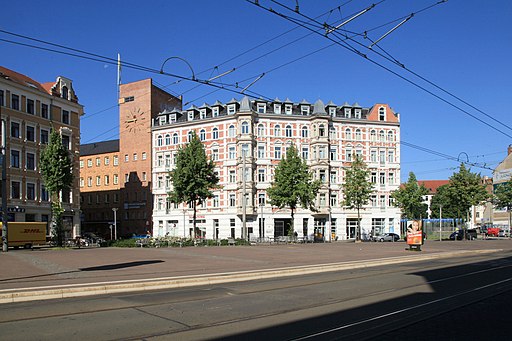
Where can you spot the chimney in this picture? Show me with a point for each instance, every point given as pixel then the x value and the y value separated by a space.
pixel 509 149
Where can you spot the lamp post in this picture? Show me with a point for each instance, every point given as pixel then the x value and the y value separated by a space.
pixel 115 221
pixel 5 245
pixel 184 224
pixel 440 221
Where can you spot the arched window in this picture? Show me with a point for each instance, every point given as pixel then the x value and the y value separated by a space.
pixel 305 132
pixel 215 133
pixel 381 135
pixel 202 135
pixel 391 136
pixel 175 138
pixel 348 134
pixel 358 134
pixel 332 133
pixel 321 130
pixel 231 131
pixel 245 128
pixel 277 130
pixel 159 140
pixel 288 131
pixel 382 114
pixel 65 92
pixel 261 130
pixel 167 139
pixel 373 135
pixel 189 136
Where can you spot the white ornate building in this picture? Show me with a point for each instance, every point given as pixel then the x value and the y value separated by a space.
pixel 327 136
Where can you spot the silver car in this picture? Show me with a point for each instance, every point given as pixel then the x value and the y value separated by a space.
pixel 387 237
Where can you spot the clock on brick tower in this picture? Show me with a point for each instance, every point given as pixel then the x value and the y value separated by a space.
pixel 134 120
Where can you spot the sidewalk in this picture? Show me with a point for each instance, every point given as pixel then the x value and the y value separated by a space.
pixel 44 273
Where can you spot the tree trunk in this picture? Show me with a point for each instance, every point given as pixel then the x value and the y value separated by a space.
pixel 292 228
pixel 358 236
pixel 194 222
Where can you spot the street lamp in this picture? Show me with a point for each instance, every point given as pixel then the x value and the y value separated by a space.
pixel 184 224
pixel 115 221
pixel 440 221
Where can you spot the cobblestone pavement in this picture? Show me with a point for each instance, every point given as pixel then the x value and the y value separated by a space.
pixel 49 267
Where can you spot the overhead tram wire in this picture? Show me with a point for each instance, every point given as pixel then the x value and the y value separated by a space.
pixel 112 61
pixel 266 53
pixel 446 156
pixel 395 61
pixel 352 49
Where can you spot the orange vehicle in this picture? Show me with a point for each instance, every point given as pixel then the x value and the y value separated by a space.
pixel 25 234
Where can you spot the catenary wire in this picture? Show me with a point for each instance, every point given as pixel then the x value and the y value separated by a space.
pixel 393 60
pixel 352 49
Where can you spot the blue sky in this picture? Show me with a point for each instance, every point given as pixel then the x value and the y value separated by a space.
pixel 463 46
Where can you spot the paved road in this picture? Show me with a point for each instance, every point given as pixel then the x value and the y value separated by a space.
pixel 44 267
pixel 386 302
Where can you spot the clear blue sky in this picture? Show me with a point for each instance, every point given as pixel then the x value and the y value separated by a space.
pixel 464 46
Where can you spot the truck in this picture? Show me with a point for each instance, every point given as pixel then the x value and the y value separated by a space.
pixel 25 234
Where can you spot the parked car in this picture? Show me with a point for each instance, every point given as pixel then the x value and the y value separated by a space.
pixel 503 233
pixel 459 234
pixel 387 237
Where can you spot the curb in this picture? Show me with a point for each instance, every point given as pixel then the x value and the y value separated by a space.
pixel 102 288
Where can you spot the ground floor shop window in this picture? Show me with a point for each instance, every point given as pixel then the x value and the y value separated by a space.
pixel 378 226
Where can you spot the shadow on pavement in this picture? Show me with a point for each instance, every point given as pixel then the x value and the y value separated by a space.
pixel 121 265
pixel 93 268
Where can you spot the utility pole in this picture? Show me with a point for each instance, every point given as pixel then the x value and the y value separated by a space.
pixel 440 221
pixel 244 204
pixel 115 222
pixel 5 245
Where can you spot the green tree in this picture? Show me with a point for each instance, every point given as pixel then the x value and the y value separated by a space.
pixel 57 173
pixel 409 198
pixel 442 199
pixel 466 189
pixel 357 189
pixel 293 184
pixel 503 198
pixel 194 177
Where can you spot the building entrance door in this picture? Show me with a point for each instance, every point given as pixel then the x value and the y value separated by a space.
pixel 351 228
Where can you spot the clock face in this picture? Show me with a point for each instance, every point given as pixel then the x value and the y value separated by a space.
pixel 134 120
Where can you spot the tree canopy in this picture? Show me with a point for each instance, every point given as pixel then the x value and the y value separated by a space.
pixel 56 166
pixel 466 189
pixel 503 198
pixel 357 189
pixel 293 183
pixel 410 198
pixel 57 174
pixel 194 177
pixel 442 199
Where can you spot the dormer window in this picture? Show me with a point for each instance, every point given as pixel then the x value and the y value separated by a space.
pixel 357 113
pixel 202 114
pixel 288 109
pixel 347 113
pixel 332 111
pixel 163 120
pixel 304 109
pixel 215 111
pixel 261 108
pixel 65 92
pixel 173 118
pixel 231 109
pixel 190 115
pixel 382 114
pixel 277 108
